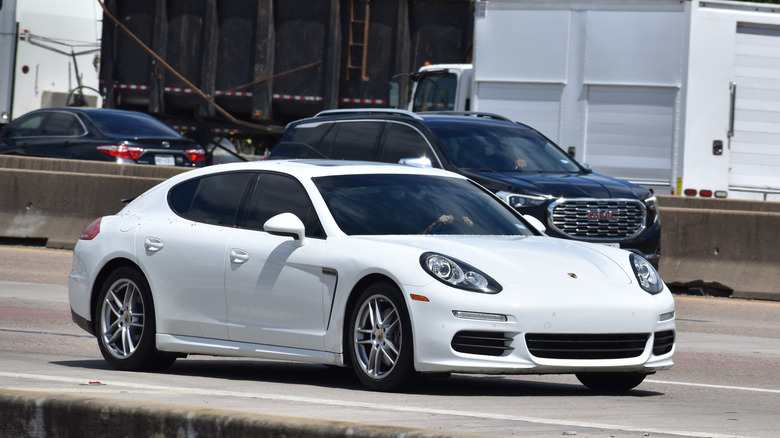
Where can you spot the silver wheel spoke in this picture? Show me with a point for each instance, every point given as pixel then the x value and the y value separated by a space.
pixel 377 336
pixel 122 318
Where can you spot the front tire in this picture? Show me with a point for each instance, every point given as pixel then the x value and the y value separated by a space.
pixel 125 324
pixel 380 338
pixel 611 382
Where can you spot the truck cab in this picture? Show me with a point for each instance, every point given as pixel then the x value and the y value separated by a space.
pixel 442 87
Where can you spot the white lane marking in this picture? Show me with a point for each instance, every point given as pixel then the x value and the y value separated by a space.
pixel 377 407
pixel 705 385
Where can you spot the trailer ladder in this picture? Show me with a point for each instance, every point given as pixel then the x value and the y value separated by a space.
pixel 357 53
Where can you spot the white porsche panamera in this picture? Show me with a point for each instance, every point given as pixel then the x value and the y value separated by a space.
pixel 392 270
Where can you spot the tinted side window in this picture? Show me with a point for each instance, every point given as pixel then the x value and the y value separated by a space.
pixel 403 141
pixel 275 194
pixel 26 126
pixel 355 140
pixel 62 124
pixel 213 199
pixel 310 134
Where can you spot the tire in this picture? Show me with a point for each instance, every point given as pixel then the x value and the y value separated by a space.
pixel 125 324
pixel 380 339
pixel 611 382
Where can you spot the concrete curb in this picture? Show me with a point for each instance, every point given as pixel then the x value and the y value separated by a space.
pixel 37 414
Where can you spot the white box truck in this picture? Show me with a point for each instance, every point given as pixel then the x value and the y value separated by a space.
pixel 682 96
pixel 48 54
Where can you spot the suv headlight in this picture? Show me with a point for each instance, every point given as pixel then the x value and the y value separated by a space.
pixel 646 275
pixel 652 210
pixel 521 201
pixel 457 274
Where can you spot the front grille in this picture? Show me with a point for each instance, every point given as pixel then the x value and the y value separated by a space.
pixel 663 343
pixel 484 343
pixel 577 346
pixel 598 218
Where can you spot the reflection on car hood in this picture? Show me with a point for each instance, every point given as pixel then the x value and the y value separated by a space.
pixel 526 260
pixel 591 185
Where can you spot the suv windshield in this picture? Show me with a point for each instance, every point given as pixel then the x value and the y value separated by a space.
pixel 498 147
pixel 415 204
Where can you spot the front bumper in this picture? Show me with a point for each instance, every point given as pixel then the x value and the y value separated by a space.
pixel 600 330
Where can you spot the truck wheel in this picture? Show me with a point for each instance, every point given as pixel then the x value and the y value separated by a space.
pixel 125 324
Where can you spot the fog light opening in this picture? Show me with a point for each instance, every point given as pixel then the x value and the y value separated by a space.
pixel 668 316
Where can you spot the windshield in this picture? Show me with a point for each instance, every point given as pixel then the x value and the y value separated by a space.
pixel 415 204
pixel 435 92
pixel 500 147
pixel 129 124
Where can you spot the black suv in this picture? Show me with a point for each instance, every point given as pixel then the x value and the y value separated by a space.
pixel 515 161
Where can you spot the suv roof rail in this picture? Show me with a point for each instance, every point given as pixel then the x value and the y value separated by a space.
pixel 358 111
pixel 471 114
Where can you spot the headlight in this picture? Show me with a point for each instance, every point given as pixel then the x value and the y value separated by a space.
pixel 646 275
pixel 458 274
pixel 521 201
pixel 652 210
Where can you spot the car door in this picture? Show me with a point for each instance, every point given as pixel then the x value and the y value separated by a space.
pixel 60 137
pixel 23 132
pixel 184 253
pixel 277 292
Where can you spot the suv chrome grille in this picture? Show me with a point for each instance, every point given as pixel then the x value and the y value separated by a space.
pixel 598 219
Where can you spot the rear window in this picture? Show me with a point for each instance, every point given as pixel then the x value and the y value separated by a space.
pixel 213 199
pixel 129 124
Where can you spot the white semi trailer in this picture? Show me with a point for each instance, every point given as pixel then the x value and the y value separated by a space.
pixel 681 96
pixel 48 54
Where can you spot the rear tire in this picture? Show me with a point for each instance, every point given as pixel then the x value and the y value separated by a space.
pixel 611 382
pixel 125 323
pixel 380 338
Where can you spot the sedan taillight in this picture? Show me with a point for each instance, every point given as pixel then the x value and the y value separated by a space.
pixel 122 151
pixel 92 230
pixel 196 154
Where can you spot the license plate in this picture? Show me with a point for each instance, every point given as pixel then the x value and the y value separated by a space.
pixel 613 245
pixel 164 160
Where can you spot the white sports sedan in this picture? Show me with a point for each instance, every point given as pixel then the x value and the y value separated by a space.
pixel 392 270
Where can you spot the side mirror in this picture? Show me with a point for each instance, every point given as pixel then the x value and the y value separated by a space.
pixel 287 225
pixel 536 223
pixel 587 167
pixel 416 162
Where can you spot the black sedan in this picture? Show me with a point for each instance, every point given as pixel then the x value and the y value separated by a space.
pixel 101 135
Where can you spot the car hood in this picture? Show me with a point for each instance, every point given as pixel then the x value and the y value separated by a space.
pixel 561 185
pixel 525 260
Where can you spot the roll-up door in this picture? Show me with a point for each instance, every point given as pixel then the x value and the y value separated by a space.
pixel 630 132
pixel 755 145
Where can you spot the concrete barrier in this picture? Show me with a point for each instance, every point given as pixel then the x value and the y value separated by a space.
pixel 721 245
pixel 42 415
pixel 53 201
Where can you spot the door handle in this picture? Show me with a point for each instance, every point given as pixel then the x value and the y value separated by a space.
pixel 238 256
pixel 153 244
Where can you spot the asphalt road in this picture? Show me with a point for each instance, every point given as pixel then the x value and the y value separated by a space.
pixel 726 380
